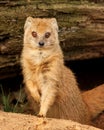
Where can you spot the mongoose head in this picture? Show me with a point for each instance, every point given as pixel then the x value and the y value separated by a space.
pixel 41 33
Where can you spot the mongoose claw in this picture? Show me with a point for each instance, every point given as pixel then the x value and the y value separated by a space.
pixel 40 115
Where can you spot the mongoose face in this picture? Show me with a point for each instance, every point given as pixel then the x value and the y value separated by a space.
pixel 41 33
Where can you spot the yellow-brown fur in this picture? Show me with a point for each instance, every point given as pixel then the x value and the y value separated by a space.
pixel 49 83
pixel 95 100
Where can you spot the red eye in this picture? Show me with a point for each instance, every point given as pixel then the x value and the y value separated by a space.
pixel 47 34
pixel 34 34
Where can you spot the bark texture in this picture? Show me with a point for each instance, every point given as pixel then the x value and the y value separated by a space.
pixel 81 29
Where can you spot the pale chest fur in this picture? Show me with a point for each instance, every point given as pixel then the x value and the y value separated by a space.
pixel 38 68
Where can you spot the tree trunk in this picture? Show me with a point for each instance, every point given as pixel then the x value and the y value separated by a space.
pixel 13 121
pixel 81 29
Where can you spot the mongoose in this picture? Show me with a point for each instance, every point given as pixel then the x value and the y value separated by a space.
pixel 48 82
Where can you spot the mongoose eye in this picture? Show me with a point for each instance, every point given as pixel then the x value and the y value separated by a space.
pixel 47 34
pixel 34 34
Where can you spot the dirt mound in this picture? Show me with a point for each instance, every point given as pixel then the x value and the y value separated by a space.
pixel 13 121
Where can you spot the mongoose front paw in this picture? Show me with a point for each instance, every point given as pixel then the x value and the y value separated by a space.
pixel 40 115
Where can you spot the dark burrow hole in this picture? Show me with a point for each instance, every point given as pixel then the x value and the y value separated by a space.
pixel 89 73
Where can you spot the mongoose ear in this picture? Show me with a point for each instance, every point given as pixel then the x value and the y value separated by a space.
pixel 54 23
pixel 28 22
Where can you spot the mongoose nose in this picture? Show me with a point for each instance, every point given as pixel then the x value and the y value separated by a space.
pixel 41 43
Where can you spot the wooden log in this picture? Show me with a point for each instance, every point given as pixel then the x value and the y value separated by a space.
pixel 13 121
pixel 81 29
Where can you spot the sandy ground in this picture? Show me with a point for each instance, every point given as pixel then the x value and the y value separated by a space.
pixel 13 121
